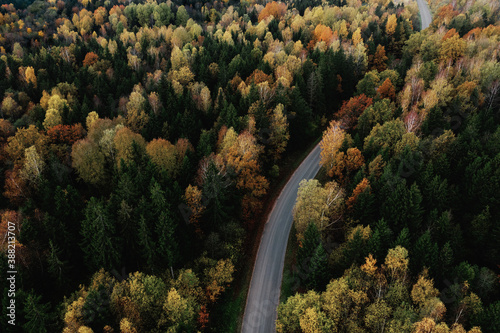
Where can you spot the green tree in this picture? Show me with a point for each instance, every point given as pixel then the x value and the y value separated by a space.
pixel 402 205
pixel 312 238
pixel 318 269
pixel 57 266
pixel 100 247
pixel 181 17
pixel 165 226
pixel 146 243
pixel 37 314
pixel 377 315
pixel 162 14
pixel 368 84
pixel 425 253
pixel 279 132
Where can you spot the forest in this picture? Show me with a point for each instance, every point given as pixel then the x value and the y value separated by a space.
pixel 141 141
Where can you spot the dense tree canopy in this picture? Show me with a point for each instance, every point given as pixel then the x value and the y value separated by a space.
pixel 143 139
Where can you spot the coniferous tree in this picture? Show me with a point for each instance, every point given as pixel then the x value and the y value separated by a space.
pixel 312 238
pixel 37 314
pixel 100 247
pixel 318 272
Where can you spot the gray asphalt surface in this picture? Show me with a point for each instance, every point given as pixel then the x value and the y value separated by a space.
pixel 264 292
pixel 425 13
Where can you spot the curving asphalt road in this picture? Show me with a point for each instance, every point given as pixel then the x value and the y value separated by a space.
pixel 425 14
pixel 264 292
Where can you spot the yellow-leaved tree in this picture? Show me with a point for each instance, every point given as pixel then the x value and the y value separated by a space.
pixel 317 204
pixel 332 140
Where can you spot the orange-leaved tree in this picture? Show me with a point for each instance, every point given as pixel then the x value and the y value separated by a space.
pixel 364 185
pixel 379 59
pixel 276 9
pixel 90 59
pixel 387 90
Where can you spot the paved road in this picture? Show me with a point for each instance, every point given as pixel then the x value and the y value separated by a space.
pixel 264 292
pixel 425 14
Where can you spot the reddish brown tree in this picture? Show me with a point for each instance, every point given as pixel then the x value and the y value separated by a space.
pixel 90 59
pixel 352 109
pixel 15 186
pixel 257 77
pixel 68 134
pixel 363 186
pixel 387 90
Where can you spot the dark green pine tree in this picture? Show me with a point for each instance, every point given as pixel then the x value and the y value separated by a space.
pixel 301 119
pixel 402 205
pixel 37 314
pixel 315 95
pixel 167 249
pixel 67 206
pixel 126 222
pixel 375 244
pixel 365 208
pixel 445 260
pixel 435 191
pixel 98 232
pixel 57 266
pixel 206 145
pixel 380 240
pixel 167 245
pixel 489 319
pixel 425 254
pixel 146 244
pixel 494 250
pixel 96 310
pixel 434 123
pixel 312 238
pixel 403 239
pixel 215 189
pixel 355 250
pixel 318 273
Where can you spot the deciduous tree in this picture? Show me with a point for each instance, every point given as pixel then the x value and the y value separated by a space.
pixel 317 204
pixel 194 200
pixel 387 90
pixel 332 140
pixel 123 142
pixel 392 22
pixel 90 59
pixel 379 59
pixel 218 277
pixel 25 138
pixel 276 9
pixel 164 155
pixel 89 161
pixel 33 166
pixel 352 109
pixel 279 132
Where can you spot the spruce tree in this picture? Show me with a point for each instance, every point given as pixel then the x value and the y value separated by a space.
pixel 312 238
pixel 98 233
pixel 318 272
